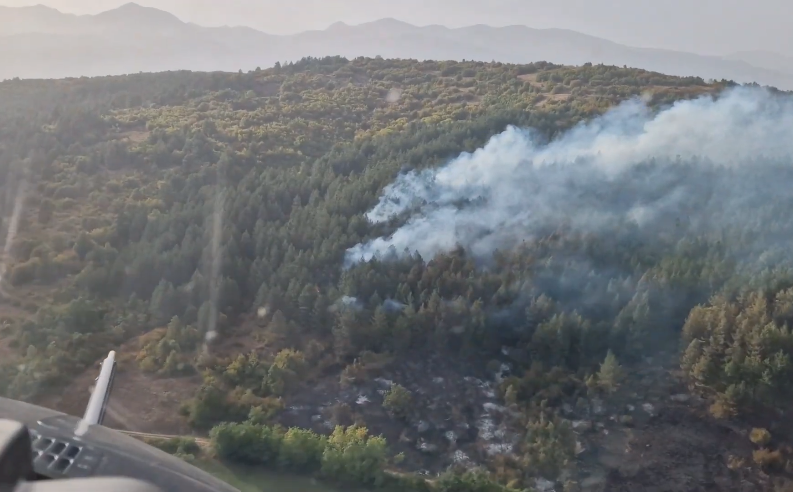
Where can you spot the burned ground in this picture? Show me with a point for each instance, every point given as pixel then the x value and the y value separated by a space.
pixel 670 443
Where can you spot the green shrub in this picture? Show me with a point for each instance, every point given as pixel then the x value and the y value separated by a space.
pixel 398 401
pixel 25 272
pixel 247 443
pixel 301 450
pixel 352 457
pixel 476 480
pixel 176 445
pixel 760 437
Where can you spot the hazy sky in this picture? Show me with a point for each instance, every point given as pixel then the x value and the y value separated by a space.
pixel 717 27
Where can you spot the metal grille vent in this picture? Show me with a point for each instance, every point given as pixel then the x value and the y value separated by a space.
pixel 52 454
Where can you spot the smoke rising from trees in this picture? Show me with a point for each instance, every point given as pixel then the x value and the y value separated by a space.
pixel 701 167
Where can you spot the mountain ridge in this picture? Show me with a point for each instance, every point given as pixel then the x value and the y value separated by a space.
pixel 764 59
pixel 110 43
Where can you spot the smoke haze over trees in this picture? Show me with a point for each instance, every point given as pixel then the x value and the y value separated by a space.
pixel 697 162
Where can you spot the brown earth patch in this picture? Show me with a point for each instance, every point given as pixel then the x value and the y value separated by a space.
pixel 135 136
pixel 139 402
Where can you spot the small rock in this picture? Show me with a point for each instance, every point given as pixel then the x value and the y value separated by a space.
pixel 680 398
pixel 543 485
pixel 316 418
pixel 630 408
pixel 459 457
pixel 489 393
pixel 492 407
pixel 566 475
pixel 498 449
pixel 386 383
pixel 597 406
pixel 520 356
pixel 465 434
pixel 648 408
pixel 406 436
pixel 579 448
pixel 567 408
pixel 428 448
pixel 582 425
pixel 422 426
pixel 504 370
pixel 626 420
pixel 594 483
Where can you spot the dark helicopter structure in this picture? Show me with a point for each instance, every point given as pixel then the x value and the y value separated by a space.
pixel 42 450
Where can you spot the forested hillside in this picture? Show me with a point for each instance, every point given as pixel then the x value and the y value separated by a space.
pixel 209 226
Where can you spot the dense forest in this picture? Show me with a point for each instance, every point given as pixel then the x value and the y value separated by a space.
pixel 206 222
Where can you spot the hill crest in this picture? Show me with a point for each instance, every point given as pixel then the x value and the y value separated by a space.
pixel 51 44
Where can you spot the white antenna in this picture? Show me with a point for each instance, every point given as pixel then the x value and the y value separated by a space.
pixel 97 403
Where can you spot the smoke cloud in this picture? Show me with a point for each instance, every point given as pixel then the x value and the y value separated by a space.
pixel 700 165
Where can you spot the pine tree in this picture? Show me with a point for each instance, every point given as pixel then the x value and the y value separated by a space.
pixel 610 373
pixel 435 303
pixel 163 303
pixel 375 300
pixel 278 324
pixel 703 369
pixel 46 210
pixel 174 328
pixel 401 333
pixel 262 296
pixel 380 325
pixel 691 356
pixel 305 303
pixel 511 395
pixel 205 315
pixel 171 365
pixel 398 401
pixel 319 315
pixel 230 295
pixel 342 331
pixel 83 245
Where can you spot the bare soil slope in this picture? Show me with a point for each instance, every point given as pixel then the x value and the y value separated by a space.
pixel 139 402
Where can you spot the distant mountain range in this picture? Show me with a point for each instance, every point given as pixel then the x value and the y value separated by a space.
pixel 764 59
pixel 41 42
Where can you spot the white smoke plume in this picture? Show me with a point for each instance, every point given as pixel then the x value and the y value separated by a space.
pixel 603 171
pixel 348 303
